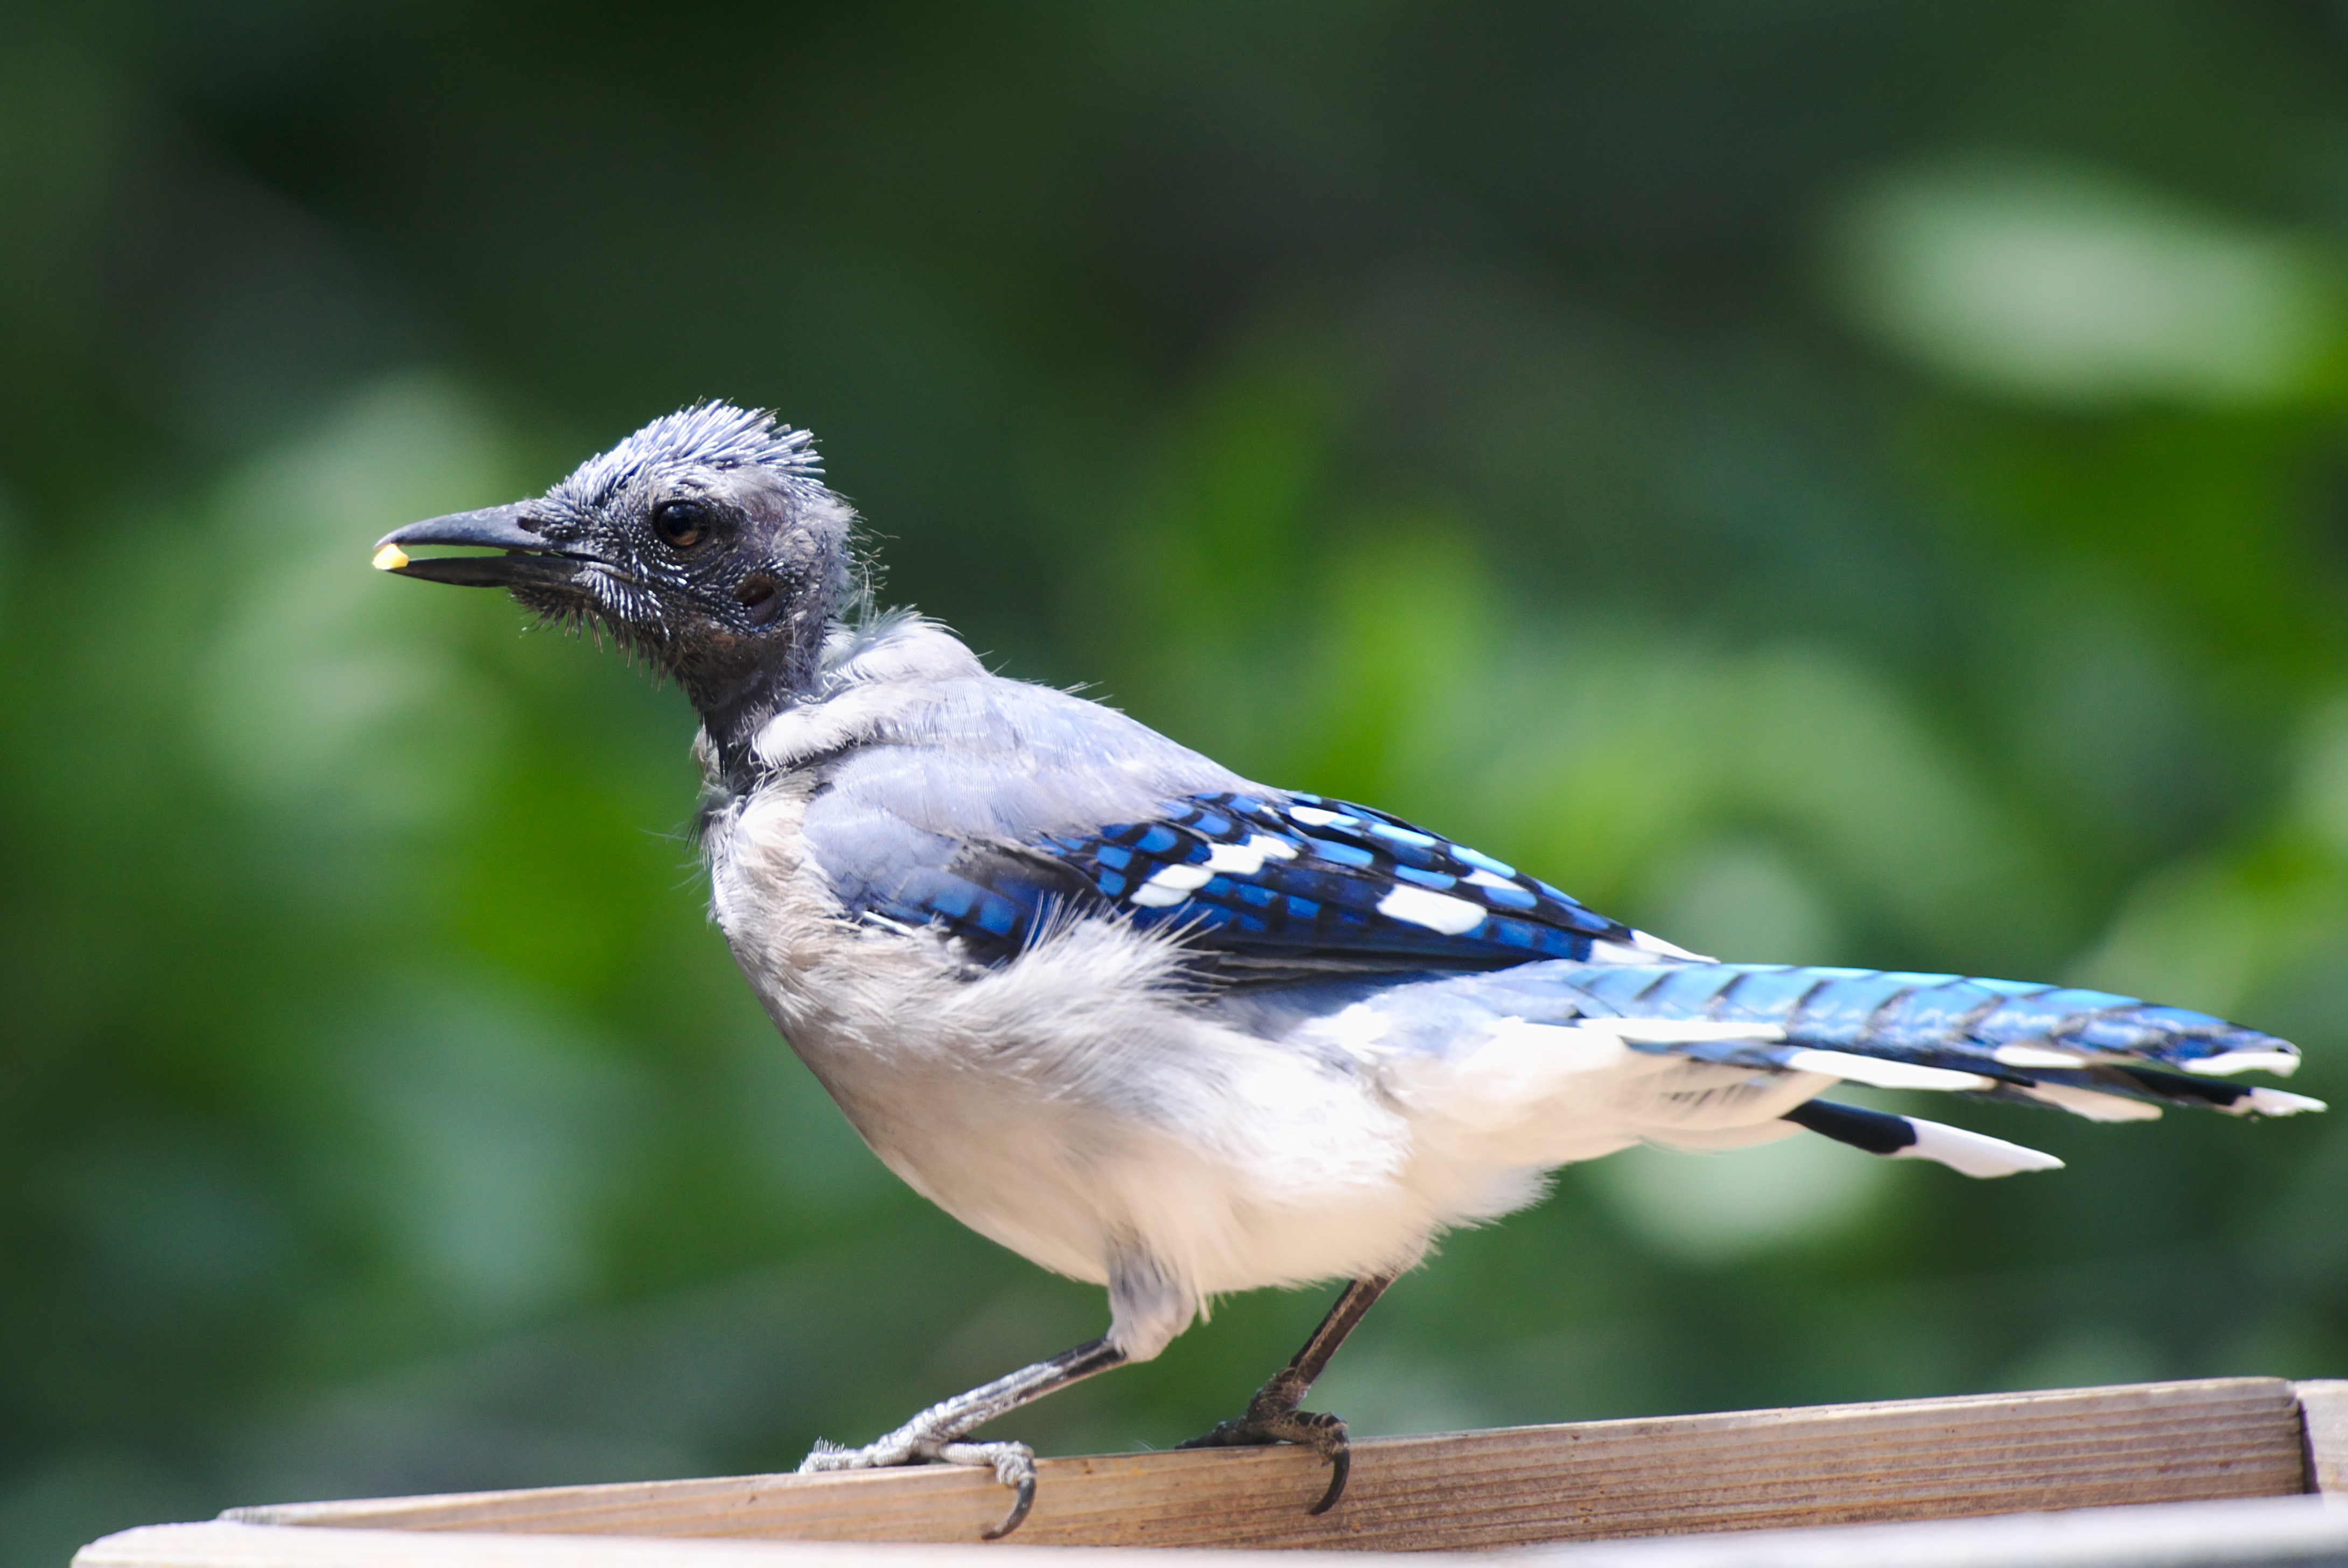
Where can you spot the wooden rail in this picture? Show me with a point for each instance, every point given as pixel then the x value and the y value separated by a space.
pixel 2231 1438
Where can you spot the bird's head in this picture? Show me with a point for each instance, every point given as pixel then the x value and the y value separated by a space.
pixel 707 542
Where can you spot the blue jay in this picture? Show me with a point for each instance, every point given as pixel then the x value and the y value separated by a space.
pixel 1172 1032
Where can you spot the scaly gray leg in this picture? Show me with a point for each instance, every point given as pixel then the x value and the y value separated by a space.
pixel 1272 1416
pixel 935 1434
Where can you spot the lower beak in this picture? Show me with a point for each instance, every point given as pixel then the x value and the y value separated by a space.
pixel 530 558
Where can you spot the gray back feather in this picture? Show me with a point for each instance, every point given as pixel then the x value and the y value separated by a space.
pixel 918 753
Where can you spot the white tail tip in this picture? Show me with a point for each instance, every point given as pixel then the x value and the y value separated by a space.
pixel 2281 1063
pixel 2274 1103
pixel 1973 1153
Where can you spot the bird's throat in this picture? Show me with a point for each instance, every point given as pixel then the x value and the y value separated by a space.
pixel 735 703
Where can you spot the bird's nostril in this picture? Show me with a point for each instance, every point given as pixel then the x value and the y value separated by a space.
pixel 529 525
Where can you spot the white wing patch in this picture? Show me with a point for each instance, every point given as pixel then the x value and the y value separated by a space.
pixel 1647 942
pixel 1245 859
pixel 1642 948
pixel 1435 911
pixel 1171 885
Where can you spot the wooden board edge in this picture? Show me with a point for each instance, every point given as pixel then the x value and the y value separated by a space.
pixel 2263 1530
pixel 447 1511
pixel 2323 1426
pixel 1804 1467
pixel 229 1543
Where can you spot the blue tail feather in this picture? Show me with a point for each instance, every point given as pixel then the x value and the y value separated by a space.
pixel 2011 1033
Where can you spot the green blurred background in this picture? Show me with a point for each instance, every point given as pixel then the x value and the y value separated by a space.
pixel 1846 482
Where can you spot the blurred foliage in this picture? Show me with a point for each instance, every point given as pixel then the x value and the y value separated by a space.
pixel 1827 481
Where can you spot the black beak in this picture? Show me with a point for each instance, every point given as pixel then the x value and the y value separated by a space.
pixel 503 528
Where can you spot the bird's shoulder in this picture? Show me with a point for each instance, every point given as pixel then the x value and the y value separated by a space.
pixel 904 680
pixel 910 753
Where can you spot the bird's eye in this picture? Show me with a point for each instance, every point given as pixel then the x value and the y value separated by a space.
pixel 682 523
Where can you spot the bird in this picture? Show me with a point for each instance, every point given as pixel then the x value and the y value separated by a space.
pixel 1158 1027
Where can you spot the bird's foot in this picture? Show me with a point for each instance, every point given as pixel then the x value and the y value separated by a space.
pixel 1014 1464
pixel 1272 1417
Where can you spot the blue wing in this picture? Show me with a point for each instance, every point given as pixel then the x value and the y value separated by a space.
pixel 1277 890
pixel 1265 889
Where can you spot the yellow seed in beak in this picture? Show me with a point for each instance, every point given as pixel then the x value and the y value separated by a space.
pixel 391 557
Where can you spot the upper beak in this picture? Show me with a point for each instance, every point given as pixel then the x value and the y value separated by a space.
pixel 499 528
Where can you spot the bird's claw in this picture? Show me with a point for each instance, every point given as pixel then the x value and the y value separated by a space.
pixel 1013 1465
pixel 1267 1422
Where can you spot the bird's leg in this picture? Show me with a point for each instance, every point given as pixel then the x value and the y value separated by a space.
pixel 1272 1416
pixel 936 1433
